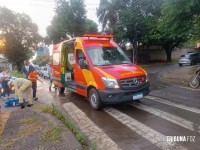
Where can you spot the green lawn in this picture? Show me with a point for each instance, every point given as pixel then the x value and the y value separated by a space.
pixel 17 74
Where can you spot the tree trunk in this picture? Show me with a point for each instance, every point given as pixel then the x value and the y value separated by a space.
pixel 168 52
pixel 19 67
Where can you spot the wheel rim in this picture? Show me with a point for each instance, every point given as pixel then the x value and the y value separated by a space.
pixel 194 83
pixel 94 100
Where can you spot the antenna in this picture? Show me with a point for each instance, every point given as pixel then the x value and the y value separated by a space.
pixel 69 36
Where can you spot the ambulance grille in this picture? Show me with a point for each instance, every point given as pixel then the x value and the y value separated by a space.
pixel 132 82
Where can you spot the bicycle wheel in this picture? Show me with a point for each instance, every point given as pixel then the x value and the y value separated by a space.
pixel 194 82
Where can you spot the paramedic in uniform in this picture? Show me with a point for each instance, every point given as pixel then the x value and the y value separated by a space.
pixel 22 85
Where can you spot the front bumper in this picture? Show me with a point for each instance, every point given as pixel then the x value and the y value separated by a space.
pixel 184 61
pixel 114 96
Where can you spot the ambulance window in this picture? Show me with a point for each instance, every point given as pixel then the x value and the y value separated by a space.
pixel 70 54
pixel 107 56
pixel 79 55
pixel 56 57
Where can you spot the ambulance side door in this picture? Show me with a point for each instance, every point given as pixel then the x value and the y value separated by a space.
pixel 81 85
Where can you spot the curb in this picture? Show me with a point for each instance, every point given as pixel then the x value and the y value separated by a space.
pixel 92 131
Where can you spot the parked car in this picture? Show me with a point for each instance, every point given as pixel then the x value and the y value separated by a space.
pixel 189 59
pixel 44 72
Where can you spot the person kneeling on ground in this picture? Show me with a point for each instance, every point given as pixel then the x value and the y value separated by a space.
pixel 22 85
pixel 33 77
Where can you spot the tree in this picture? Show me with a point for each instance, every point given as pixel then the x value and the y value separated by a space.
pixel 41 60
pixel 108 13
pixel 178 24
pixel 168 23
pixel 70 19
pixel 139 19
pixel 90 26
pixel 20 36
pixel 130 19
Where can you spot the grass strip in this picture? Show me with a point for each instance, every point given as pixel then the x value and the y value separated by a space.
pixel 28 120
pixel 17 74
pixel 53 110
pixel 52 134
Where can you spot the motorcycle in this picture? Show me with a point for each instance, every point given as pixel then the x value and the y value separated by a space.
pixel 194 82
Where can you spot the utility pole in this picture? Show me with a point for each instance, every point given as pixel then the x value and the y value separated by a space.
pixel 136 45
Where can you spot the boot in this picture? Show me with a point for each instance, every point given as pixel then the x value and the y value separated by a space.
pixel 22 105
pixel 29 105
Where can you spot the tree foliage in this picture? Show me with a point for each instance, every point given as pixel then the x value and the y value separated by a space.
pixel 168 23
pixel 70 19
pixel 108 13
pixel 178 24
pixel 41 60
pixel 20 36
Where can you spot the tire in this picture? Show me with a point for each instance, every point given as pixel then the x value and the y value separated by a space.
pixel 180 65
pixel 94 99
pixel 61 90
pixel 194 82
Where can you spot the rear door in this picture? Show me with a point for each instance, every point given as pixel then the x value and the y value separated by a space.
pixel 67 62
pixel 55 64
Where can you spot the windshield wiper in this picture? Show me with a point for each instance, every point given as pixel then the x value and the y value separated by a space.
pixel 126 63
pixel 106 64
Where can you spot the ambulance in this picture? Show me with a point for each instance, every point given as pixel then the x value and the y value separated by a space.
pixel 95 67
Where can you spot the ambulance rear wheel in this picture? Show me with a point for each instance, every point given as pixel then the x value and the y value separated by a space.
pixel 95 100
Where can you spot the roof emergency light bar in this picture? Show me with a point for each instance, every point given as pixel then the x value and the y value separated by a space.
pixel 109 36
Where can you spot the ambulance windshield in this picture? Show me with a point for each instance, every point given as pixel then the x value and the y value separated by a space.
pixel 100 56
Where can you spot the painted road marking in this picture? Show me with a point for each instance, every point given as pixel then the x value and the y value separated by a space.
pixel 148 133
pixel 181 106
pixel 167 116
pixel 91 130
pixel 189 88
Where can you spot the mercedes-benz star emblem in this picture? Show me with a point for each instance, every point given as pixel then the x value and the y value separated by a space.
pixel 135 81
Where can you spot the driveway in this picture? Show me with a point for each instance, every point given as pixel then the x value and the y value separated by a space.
pixel 173 73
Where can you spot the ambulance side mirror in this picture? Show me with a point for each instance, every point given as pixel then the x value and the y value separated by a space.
pixel 83 64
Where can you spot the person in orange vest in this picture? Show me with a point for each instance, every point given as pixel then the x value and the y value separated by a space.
pixel 33 77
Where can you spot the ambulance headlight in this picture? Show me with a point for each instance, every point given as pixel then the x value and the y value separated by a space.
pixel 110 83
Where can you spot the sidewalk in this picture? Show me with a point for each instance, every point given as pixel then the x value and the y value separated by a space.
pixel 31 129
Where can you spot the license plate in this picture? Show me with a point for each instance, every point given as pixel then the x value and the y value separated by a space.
pixel 137 96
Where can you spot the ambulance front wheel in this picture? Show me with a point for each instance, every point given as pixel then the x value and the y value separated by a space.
pixel 95 100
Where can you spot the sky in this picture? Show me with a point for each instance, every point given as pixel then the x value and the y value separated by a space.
pixel 42 11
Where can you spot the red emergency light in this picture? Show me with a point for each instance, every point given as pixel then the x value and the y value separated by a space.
pixel 99 35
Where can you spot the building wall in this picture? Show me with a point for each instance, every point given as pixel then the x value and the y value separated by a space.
pixel 42 51
pixel 156 53
pixel 176 53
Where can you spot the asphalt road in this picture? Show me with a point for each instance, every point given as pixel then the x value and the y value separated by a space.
pixel 169 118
